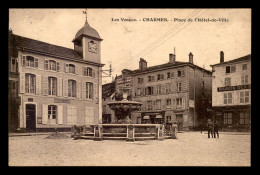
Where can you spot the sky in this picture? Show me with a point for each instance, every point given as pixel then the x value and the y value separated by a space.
pixel 125 42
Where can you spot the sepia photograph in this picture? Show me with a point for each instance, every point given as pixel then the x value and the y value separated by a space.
pixel 129 87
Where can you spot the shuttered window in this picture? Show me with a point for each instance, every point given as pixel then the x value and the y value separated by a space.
pixel 71 88
pixel 179 103
pixel 52 86
pixel 89 90
pixel 52 112
pixel 30 61
pixel 30 82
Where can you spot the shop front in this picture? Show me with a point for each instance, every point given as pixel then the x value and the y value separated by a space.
pixel 233 118
pixel 153 117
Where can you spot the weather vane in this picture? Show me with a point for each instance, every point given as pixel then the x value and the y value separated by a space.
pixel 85 12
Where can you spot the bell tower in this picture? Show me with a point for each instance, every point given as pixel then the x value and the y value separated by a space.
pixel 87 43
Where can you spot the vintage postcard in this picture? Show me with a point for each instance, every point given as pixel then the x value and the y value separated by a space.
pixel 129 87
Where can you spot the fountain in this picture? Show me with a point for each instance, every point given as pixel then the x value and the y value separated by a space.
pixel 124 108
pixel 123 128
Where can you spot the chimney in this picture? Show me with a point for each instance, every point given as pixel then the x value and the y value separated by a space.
pixel 172 58
pixel 221 56
pixel 142 64
pixel 191 58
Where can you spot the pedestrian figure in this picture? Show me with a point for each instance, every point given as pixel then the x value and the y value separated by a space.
pixel 174 130
pixel 210 128
pixel 216 127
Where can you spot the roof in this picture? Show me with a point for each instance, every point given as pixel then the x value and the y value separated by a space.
pixel 167 65
pixel 244 58
pixel 45 47
pixel 86 30
pixel 108 89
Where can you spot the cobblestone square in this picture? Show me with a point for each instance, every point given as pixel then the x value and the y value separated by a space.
pixel 190 149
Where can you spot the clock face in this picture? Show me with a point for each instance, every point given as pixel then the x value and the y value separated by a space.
pixel 92 47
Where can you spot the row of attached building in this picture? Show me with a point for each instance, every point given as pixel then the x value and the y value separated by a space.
pixel 187 93
pixel 53 87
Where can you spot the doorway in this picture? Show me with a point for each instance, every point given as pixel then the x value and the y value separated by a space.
pixel 179 118
pixel 30 118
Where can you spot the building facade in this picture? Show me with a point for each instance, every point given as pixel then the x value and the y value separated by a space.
pixel 231 93
pixel 108 95
pixel 57 87
pixel 173 91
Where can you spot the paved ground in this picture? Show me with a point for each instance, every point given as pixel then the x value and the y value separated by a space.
pixel 190 149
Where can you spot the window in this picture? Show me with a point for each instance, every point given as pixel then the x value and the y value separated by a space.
pixel 228 98
pixel 233 69
pixel 149 105
pixel 30 83
pixel 162 76
pixel 244 79
pixel 138 92
pixel 52 83
pixel 72 88
pixel 70 68
pixel 168 88
pixel 158 104
pixel 168 103
pixel 179 87
pixel 149 90
pixel 244 118
pixel 140 80
pixel 13 65
pixel 172 74
pixel 244 97
pixel 52 112
pixel 89 90
pixel 29 61
pixel 159 89
pixel 227 69
pixel 178 103
pixel 181 73
pixel 158 77
pixel 150 78
pixel 227 81
pixel 51 65
pixel 168 75
pixel 88 71
pixel 227 118
pixel 244 67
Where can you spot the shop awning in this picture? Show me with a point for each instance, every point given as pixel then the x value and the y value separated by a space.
pixel 146 117
pixel 158 116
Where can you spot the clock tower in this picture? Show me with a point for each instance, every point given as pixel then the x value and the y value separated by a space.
pixel 87 43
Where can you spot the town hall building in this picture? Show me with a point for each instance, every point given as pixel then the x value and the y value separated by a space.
pixel 52 86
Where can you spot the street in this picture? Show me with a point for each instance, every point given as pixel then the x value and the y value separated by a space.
pixel 190 149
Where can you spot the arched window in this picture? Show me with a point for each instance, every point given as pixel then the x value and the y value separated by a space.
pixel 52 86
pixel 89 90
pixel 30 82
pixel 72 88
pixel 52 112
